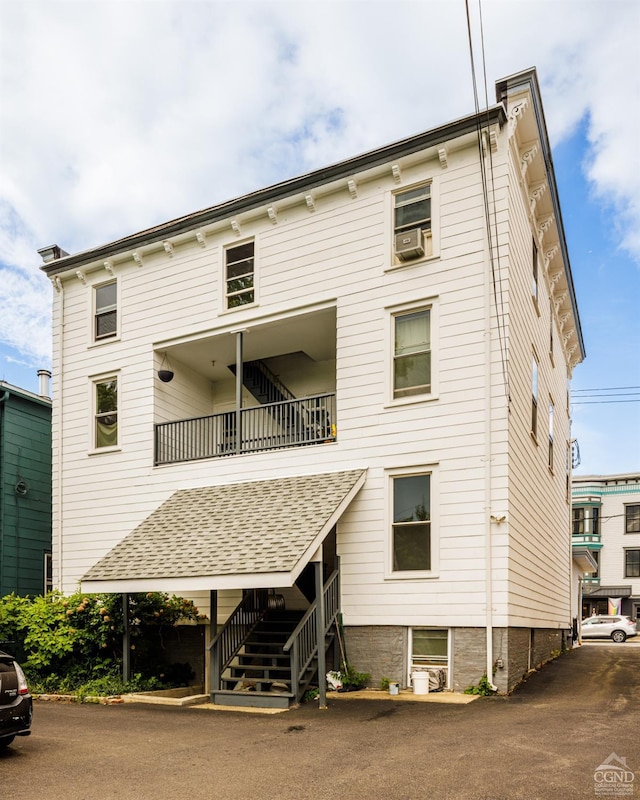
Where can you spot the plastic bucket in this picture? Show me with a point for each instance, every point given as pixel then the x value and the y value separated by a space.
pixel 420 682
pixel 394 688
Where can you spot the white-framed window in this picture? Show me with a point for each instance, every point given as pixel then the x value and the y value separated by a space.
pixel 105 316
pixel 429 648
pixel 105 427
pixel 412 536
pixel 239 275
pixel 632 563
pixel 412 351
pixel 632 518
pixel 412 223
pixel 534 397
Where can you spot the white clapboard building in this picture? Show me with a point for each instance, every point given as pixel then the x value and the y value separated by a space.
pixel 350 385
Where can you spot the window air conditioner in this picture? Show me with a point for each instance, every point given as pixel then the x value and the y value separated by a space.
pixel 409 244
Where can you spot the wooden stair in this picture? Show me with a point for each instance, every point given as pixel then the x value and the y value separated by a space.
pixel 260 674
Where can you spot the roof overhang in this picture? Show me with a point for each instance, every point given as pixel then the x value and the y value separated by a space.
pixel 584 559
pixel 58 262
pixel 250 535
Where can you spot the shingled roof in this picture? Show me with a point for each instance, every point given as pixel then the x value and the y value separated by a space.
pixel 241 535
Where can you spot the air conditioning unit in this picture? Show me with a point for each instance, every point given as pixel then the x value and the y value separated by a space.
pixel 409 244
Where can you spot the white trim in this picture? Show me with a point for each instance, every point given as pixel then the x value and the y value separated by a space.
pixel 391 261
pixel 406 472
pixel 432 304
pixel 97 284
pixel 230 245
pixel 448 667
pixel 94 380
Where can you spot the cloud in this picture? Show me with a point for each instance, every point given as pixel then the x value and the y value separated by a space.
pixel 120 115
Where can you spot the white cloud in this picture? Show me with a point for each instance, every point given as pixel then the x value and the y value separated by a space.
pixel 119 115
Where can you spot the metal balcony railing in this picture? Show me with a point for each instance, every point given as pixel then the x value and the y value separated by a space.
pixel 291 423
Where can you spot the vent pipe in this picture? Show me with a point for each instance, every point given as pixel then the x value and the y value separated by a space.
pixel 45 376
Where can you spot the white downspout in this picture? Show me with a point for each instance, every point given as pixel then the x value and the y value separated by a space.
pixel 488 455
pixel 57 408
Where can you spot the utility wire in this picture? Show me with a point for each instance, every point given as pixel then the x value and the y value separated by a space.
pixel 485 194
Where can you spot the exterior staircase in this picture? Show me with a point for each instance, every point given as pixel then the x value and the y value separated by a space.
pixel 265 656
pixel 260 673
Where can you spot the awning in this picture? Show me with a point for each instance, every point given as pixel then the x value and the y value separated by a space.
pixel 256 534
pixel 607 591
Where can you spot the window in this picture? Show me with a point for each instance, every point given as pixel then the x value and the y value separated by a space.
pixel 48 573
pixel 550 434
pixel 106 311
pixel 106 417
pixel 411 545
pixel 632 519
pixel 534 285
pixel 412 212
pixel 412 354
pixel 632 563
pixel 551 312
pixel 430 648
pixel 534 397
pixel 239 275
pixel 586 520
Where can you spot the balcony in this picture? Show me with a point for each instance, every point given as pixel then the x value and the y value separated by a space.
pixel 589 539
pixel 290 423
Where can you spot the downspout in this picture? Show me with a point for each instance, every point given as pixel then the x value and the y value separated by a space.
pixel 57 409
pixel 488 455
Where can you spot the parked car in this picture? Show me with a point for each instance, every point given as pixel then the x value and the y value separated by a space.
pixel 603 626
pixel 16 703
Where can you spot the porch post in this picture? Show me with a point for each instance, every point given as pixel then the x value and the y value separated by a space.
pixel 239 382
pixel 213 630
pixel 126 640
pixel 320 626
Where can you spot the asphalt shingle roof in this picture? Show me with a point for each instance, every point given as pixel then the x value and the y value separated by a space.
pixel 235 529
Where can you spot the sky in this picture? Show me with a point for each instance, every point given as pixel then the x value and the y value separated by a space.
pixel 116 115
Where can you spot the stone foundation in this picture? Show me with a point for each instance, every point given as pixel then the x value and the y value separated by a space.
pixel 383 652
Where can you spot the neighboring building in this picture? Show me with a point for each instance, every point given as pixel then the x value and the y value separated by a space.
pixel 368 362
pixel 25 489
pixel 606 521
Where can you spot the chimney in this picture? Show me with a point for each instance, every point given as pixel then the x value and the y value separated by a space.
pixel 45 376
pixel 52 253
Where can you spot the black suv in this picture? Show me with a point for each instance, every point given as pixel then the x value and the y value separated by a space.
pixel 16 705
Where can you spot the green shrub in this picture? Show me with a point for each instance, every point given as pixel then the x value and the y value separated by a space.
pixel 352 680
pixel 66 643
pixel 484 688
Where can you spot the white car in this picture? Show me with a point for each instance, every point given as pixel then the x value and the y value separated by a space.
pixel 603 626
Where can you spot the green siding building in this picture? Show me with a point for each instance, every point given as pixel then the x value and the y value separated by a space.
pixel 25 490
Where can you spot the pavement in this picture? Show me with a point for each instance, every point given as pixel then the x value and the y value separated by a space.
pixel 551 740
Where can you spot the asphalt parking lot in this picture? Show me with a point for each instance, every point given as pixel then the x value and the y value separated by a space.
pixel 544 742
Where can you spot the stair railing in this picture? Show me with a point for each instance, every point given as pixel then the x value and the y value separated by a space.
pixel 273 379
pixel 303 642
pixel 235 633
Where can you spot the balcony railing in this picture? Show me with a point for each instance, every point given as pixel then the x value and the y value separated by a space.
pixel 291 423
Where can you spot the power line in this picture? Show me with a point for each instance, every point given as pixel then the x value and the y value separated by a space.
pixel 497 283
pixel 608 389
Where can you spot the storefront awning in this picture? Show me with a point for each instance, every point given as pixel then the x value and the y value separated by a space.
pixel 607 591
pixel 256 534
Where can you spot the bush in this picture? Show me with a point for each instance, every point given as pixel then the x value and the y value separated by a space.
pixel 68 642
